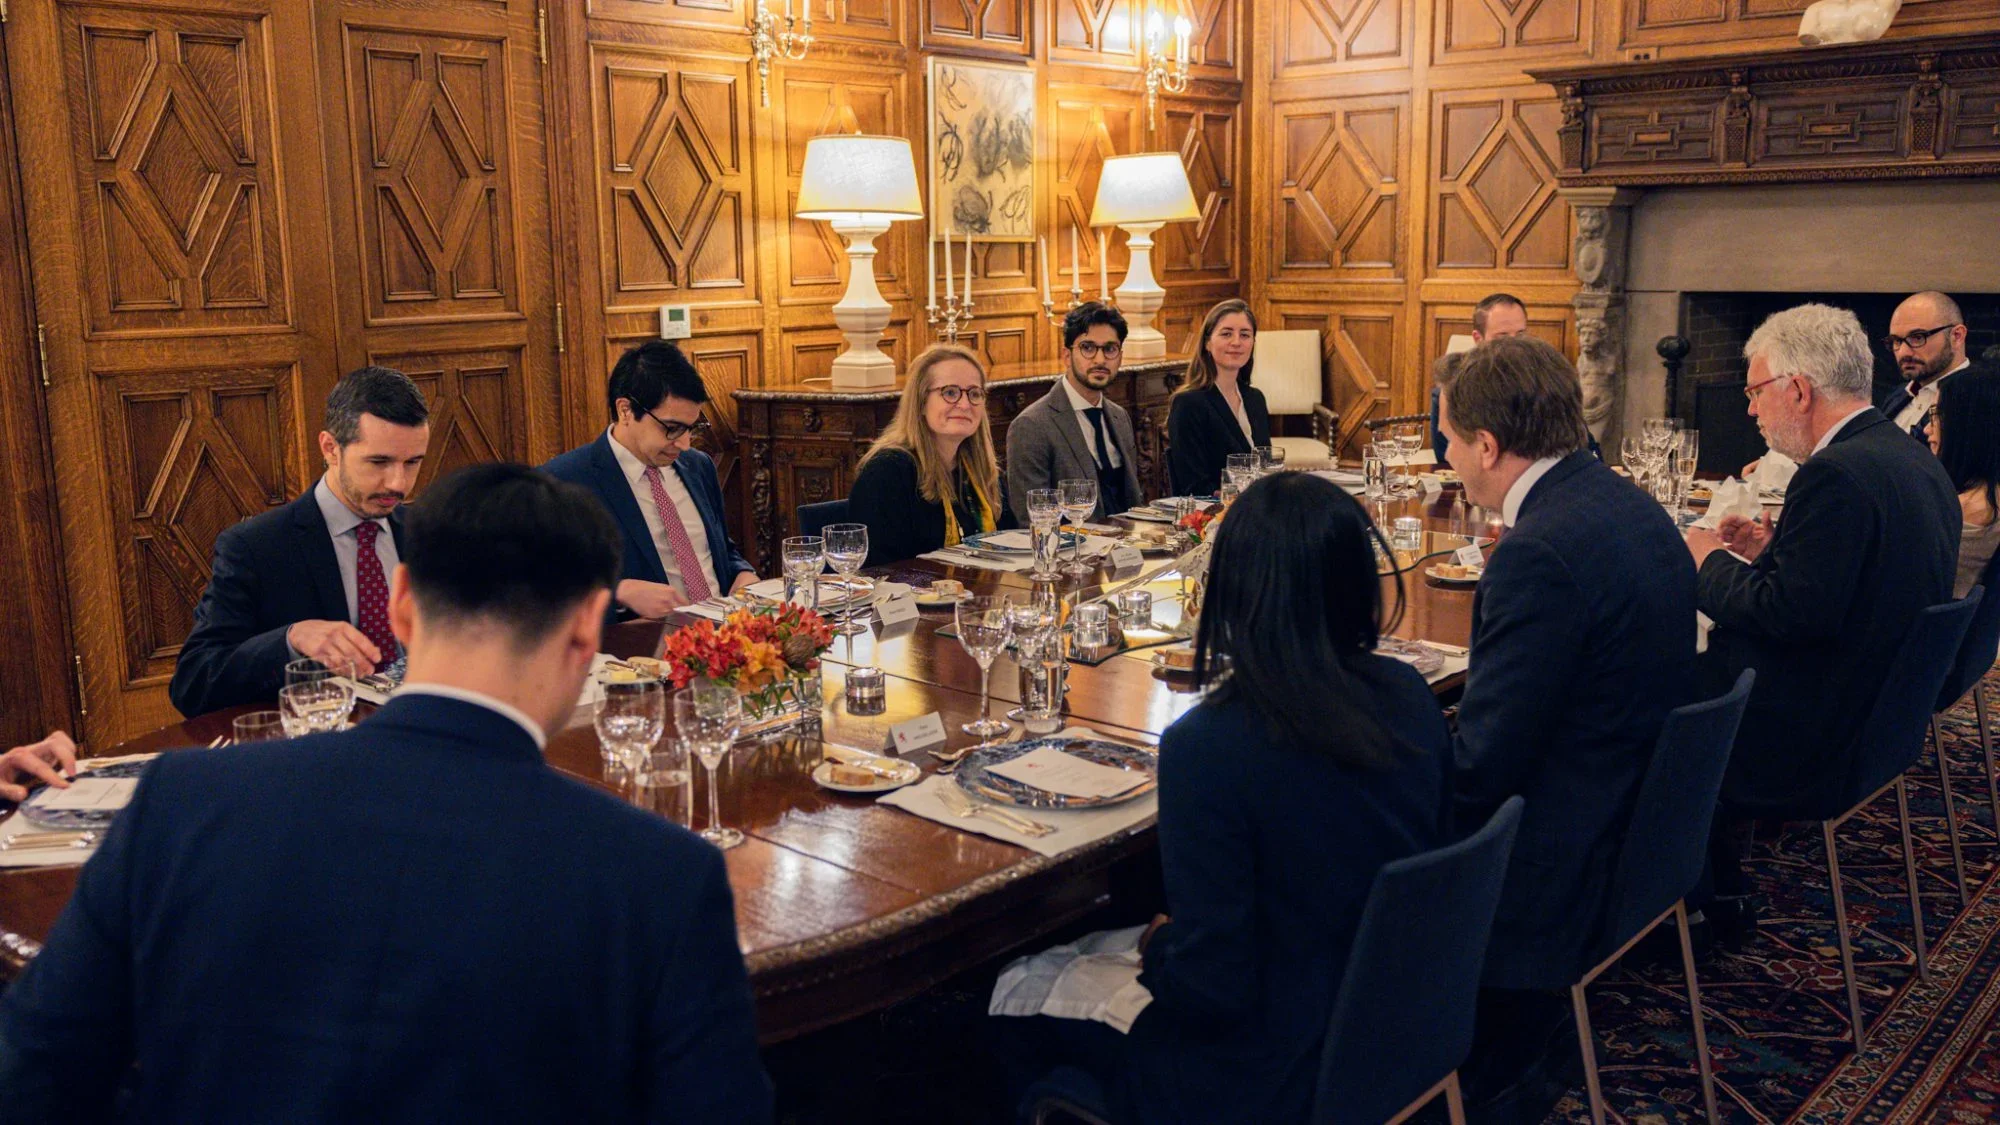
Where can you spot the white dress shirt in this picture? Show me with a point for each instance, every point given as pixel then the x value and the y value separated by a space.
pixel 1833 431
pixel 1080 404
pixel 340 523
pixel 1510 508
pixel 481 699
pixel 683 501
pixel 1925 400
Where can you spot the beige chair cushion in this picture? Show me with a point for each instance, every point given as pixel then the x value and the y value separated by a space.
pixel 1286 367
pixel 1303 452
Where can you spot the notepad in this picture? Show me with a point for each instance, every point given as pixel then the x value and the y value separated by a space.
pixel 89 794
pixel 1052 771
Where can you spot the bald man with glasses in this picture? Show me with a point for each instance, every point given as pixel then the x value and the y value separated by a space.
pixel 1927 340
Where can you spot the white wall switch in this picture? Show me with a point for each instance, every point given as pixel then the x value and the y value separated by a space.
pixel 675 323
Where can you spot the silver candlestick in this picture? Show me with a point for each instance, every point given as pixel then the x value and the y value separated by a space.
pixel 947 322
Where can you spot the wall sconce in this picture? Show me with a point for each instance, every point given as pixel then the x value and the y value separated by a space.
pixel 1160 74
pixel 766 41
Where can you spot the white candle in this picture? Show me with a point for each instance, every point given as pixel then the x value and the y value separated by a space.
pixel 1103 255
pixel 788 9
pixel 1042 252
pixel 1075 264
pixel 949 293
pixel 968 269
pixel 1182 29
pixel 930 272
pixel 809 15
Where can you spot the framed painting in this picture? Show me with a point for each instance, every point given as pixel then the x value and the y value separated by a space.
pixel 982 150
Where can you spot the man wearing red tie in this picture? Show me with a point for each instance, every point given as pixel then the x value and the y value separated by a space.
pixel 663 492
pixel 311 579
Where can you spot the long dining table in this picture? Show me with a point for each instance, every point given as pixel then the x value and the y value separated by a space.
pixel 843 905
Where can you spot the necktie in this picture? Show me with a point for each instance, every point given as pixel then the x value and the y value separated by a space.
pixel 1096 416
pixel 693 584
pixel 371 591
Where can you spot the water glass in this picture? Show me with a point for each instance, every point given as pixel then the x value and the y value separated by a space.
pixel 846 550
pixel 1227 492
pixel 1241 468
pixel 1034 626
pixel 1090 625
pixel 1375 470
pixel 803 557
pixel 1407 539
pixel 709 717
pixel 315 707
pixel 1079 500
pixel 1045 540
pixel 306 670
pixel 1270 458
pixel 983 627
pixel 629 722
pixel 1044 505
pixel 258 726
pixel 662 784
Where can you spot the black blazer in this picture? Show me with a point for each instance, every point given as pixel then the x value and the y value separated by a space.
pixel 1868 539
pixel 1202 433
pixel 1583 634
pixel 901 523
pixel 596 467
pixel 412 921
pixel 1268 852
pixel 270 572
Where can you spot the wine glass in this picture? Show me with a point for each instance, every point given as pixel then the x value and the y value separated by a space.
pixel 1270 459
pixel 709 717
pixel 629 722
pixel 803 557
pixel 1409 438
pixel 1241 468
pixel 1079 499
pixel 258 726
pixel 1044 530
pixel 846 550
pixel 982 630
pixel 315 706
pixel 306 670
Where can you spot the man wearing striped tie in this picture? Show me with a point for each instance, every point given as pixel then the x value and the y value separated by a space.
pixel 663 492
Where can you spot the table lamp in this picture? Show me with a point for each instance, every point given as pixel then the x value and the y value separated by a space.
pixel 860 184
pixel 1142 193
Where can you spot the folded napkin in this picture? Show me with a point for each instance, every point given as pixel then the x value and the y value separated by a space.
pixel 38 857
pixel 1074 828
pixel 1774 472
pixel 1095 977
pixel 1007 566
pixel 1731 498
pixel 1702 624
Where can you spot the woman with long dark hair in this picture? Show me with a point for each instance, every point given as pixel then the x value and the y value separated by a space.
pixel 1311 763
pixel 1215 411
pixel 1965 433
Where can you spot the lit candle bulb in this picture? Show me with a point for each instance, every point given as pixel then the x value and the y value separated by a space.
pixel 1103 255
pixel 1182 29
pixel 1042 252
pixel 1075 265
pixel 1155 28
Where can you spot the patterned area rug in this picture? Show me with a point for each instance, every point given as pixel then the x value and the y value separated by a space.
pixel 1777 1012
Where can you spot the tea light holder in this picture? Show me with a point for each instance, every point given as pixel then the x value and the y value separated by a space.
pixel 1090 625
pixel 1135 609
pixel 866 694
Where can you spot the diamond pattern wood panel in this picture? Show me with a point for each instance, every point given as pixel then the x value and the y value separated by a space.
pixel 730 14
pixel 1512 30
pixel 1003 26
pixel 1322 36
pixel 1360 342
pixel 1205 136
pixel 1494 195
pixel 476 405
pixel 1088 124
pixel 1339 169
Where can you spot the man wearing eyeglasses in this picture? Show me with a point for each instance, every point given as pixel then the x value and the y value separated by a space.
pixel 1927 339
pixel 663 492
pixel 1076 431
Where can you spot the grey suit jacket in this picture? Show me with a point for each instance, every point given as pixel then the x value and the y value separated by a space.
pixel 1045 445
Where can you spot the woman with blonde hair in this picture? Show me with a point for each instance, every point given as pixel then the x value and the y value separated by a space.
pixel 1216 412
pixel 932 478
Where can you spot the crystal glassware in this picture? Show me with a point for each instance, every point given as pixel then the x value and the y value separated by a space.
pixel 803 557
pixel 662 782
pixel 306 670
pixel 1241 468
pixel 1270 459
pixel 982 625
pixel 1079 499
pixel 1375 470
pixel 1034 625
pixel 315 706
pixel 709 716
pixel 258 726
pixel 846 550
pixel 629 721
pixel 1045 513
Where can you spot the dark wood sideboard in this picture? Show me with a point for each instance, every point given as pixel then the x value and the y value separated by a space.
pixel 800 442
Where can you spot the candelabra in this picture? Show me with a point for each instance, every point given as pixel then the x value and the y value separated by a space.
pixel 1049 304
pixel 766 41
pixel 1160 73
pixel 946 321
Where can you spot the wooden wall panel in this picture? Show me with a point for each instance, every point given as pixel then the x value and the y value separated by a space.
pixel 1339 166
pixel 1319 38
pixel 813 266
pixel 998 26
pixel 1091 31
pixel 476 405
pixel 1362 344
pixel 1494 193
pixel 1688 27
pixel 1206 135
pixel 1085 126
pixel 1516 32
pixel 731 15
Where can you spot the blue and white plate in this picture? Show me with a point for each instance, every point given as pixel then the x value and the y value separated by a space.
pixel 1012 542
pixel 974 777
pixel 78 818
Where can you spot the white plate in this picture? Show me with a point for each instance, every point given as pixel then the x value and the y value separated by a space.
pixel 1432 572
pixel 1145 514
pixel 907 771
pixel 924 597
pixel 1160 662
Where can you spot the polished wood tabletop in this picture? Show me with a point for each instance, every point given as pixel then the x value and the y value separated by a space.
pixel 843 905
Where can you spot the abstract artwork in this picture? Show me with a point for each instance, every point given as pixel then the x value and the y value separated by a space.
pixel 982 150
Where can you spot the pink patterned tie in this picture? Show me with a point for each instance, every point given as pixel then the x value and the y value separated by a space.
pixel 693 584
pixel 371 592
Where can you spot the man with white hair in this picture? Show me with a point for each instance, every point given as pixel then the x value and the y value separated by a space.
pixel 1819 602
pixel 1927 340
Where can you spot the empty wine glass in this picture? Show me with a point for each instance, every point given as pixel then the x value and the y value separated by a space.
pixel 1270 459
pixel 1409 439
pixel 315 706
pixel 803 557
pixel 709 716
pixel 1241 468
pixel 982 630
pixel 846 550
pixel 1079 500
pixel 630 721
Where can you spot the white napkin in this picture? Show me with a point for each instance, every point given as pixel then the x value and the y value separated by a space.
pixel 1702 624
pixel 1008 566
pixel 1074 828
pixel 1774 472
pixel 38 857
pixel 1731 498
pixel 1095 977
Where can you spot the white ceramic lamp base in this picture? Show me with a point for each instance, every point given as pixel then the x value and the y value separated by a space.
pixel 862 314
pixel 1140 296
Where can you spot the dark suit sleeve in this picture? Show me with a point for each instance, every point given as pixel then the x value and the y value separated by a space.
pixel 1800 588
pixel 1030 465
pixel 66 1034
pixel 1203 964
pixel 702 1060
pixel 885 498
pixel 226 660
pixel 1529 627
pixel 1193 466
pixel 1438 442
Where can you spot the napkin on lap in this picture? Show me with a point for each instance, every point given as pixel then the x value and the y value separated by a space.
pixel 1731 498
pixel 1775 472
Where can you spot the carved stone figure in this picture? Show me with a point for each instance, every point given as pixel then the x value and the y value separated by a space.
pixel 1597 366
pixel 1592 253
pixel 1846 21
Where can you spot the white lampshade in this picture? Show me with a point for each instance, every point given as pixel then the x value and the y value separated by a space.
pixel 1146 187
pixel 848 175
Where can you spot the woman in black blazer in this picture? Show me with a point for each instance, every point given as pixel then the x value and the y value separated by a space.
pixel 932 478
pixel 1309 766
pixel 1216 412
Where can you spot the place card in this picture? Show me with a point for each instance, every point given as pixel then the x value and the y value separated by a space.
pixel 1470 556
pixel 1052 771
pixel 920 733
pixel 895 611
pixel 89 794
pixel 1126 558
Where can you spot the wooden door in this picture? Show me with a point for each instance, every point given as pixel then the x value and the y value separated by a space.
pixel 173 187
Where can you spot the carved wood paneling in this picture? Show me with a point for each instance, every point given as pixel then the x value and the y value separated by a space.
pixel 808 353
pixel 476 405
pixel 434 184
pixel 1495 157
pixel 1087 125
pixel 728 14
pixel 176 177
pixel 1316 37
pixel 673 172
pixel 1093 30
pixel 1339 168
pixel 1486 30
pixel 1551 322
pixel 1360 343
pixel 1737 24
pixel 1205 134
pixel 1003 26
pixel 817 103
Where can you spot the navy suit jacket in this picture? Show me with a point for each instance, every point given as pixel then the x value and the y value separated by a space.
pixel 1268 851
pixel 1583 635
pixel 415 920
pixel 595 467
pixel 271 571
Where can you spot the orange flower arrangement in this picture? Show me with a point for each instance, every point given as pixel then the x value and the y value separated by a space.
pixel 752 650
pixel 1200 524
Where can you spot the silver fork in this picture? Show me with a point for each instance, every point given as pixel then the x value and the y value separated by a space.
pixel 959 804
pixel 26 841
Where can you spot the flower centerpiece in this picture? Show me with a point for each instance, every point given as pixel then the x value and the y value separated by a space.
pixel 769 654
pixel 1198 528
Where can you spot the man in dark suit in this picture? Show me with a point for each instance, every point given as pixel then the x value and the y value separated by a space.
pixel 1576 660
pixel 1496 317
pixel 1927 339
pixel 663 492
pixel 1820 603
pixel 310 579
pixel 1076 431
pixel 415 920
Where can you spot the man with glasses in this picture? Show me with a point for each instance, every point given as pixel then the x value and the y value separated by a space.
pixel 1927 340
pixel 663 492
pixel 1076 431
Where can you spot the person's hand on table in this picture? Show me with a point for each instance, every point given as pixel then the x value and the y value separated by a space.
pixel 1750 468
pixel 1746 537
pixel 744 579
pixel 335 644
pixel 650 600
pixel 53 760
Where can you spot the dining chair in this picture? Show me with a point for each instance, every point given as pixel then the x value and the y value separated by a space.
pixel 1289 368
pixel 1665 850
pixel 1890 740
pixel 1402 1020
pixel 1374 424
pixel 1968 674
pixel 813 518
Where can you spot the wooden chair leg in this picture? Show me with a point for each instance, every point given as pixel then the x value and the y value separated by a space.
pixel 1910 873
pixel 1986 747
pixel 1454 1101
pixel 1694 1009
pixel 1950 813
pixel 1846 947
pixel 1584 1040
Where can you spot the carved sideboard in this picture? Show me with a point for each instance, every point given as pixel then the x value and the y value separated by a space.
pixel 800 442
